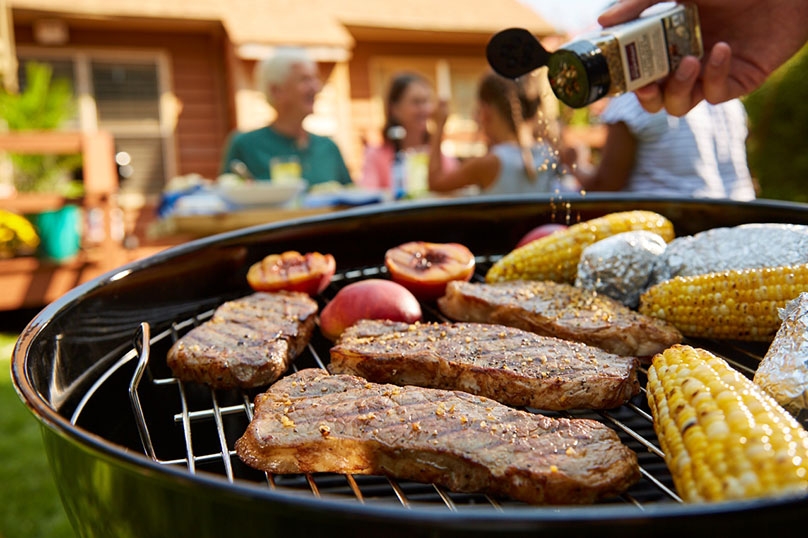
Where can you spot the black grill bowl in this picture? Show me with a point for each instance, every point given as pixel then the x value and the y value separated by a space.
pixel 74 363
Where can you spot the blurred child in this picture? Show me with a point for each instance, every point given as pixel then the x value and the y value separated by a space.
pixel 516 161
pixel 409 106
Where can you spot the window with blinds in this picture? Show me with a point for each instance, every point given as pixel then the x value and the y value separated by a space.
pixel 122 96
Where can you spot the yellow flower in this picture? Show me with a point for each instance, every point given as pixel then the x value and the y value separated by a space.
pixel 16 233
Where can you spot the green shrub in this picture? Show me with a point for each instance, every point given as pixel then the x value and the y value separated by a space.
pixel 778 132
pixel 44 103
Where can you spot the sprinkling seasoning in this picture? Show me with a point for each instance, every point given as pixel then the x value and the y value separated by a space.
pixel 623 58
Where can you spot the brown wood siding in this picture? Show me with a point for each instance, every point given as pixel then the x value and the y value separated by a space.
pixel 197 80
pixel 364 51
pixel 363 93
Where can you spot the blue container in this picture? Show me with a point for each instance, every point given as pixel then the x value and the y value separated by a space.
pixel 59 233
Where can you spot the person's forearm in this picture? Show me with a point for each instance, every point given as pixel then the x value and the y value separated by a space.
pixel 595 179
pixel 435 159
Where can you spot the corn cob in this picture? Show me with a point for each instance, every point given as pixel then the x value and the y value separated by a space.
pixel 555 257
pixel 739 304
pixel 722 436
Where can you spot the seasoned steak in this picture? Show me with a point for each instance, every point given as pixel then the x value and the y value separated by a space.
pixel 312 422
pixel 512 366
pixel 560 310
pixel 249 342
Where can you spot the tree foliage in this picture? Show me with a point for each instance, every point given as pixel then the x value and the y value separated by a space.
pixel 44 103
pixel 778 132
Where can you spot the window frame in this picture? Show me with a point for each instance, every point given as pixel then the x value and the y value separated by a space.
pixel 88 121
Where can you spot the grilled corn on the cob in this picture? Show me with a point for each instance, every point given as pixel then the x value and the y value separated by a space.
pixel 723 437
pixel 556 256
pixel 738 304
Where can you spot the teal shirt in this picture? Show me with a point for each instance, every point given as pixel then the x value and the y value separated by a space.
pixel 320 160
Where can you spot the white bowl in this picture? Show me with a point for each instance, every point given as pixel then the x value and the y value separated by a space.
pixel 261 193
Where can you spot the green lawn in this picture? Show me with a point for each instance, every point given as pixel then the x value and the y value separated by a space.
pixel 29 504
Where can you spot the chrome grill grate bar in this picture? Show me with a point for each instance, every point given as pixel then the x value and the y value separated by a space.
pixel 208 422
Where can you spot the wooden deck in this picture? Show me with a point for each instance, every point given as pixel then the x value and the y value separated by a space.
pixel 28 282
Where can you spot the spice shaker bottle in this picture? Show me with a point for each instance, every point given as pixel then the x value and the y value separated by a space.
pixel 611 61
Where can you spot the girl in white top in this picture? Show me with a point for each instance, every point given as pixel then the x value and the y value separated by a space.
pixel 515 162
pixel 699 155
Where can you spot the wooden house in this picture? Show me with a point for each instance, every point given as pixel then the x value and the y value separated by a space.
pixel 170 80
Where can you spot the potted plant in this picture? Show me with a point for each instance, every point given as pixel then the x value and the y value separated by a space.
pixel 45 104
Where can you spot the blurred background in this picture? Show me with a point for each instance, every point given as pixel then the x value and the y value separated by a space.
pixel 165 83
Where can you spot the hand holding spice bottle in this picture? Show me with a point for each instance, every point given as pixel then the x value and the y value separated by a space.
pixel 608 62
pixel 745 40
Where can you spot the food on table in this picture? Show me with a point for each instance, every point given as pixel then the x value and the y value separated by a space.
pixel 740 247
pixel 512 366
pixel 723 437
pixel 620 266
pixel 560 310
pixel 425 268
pixel 737 304
pixel 556 256
pixel 249 342
pixel 783 372
pixel 292 271
pixel 374 298
pixel 540 231
pixel 313 422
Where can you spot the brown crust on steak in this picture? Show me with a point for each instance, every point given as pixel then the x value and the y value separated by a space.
pixel 249 342
pixel 312 422
pixel 512 366
pixel 560 310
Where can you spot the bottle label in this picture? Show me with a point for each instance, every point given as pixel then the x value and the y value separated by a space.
pixel 644 52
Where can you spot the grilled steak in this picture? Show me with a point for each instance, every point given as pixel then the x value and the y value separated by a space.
pixel 249 342
pixel 560 310
pixel 512 366
pixel 312 422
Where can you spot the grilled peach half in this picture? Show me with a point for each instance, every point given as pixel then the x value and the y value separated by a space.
pixel 425 268
pixel 292 271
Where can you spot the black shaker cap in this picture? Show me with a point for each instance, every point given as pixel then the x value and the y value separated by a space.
pixel 515 52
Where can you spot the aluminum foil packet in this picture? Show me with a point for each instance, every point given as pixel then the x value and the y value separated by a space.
pixel 740 247
pixel 783 372
pixel 620 266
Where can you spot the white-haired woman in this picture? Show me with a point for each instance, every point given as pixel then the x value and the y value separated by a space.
pixel 290 81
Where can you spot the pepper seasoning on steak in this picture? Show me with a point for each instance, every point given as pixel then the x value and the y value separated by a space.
pixel 249 342
pixel 560 310
pixel 313 422
pixel 512 366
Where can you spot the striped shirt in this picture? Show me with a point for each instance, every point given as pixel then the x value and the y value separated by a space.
pixel 513 179
pixel 701 155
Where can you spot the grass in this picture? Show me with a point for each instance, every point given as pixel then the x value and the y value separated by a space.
pixel 29 503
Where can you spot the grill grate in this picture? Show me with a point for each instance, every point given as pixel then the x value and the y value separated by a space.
pixel 194 427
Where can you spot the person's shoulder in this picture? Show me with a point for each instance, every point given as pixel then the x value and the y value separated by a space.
pixel 378 151
pixel 240 137
pixel 625 105
pixel 315 138
pixel 626 108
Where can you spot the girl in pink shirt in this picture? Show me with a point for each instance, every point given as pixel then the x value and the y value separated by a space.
pixel 409 105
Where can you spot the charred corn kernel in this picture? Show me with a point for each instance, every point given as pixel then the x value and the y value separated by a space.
pixel 555 257
pixel 738 304
pixel 722 436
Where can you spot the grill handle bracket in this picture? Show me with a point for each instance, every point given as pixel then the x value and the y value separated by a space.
pixel 143 347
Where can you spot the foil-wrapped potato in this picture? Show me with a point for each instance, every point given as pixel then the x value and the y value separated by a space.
pixel 620 266
pixel 745 246
pixel 783 372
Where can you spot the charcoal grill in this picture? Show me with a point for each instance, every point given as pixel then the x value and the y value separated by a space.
pixel 135 452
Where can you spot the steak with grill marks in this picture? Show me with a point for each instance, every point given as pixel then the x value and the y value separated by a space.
pixel 313 422
pixel 512 366
pixel 560 310
pixel 249 342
